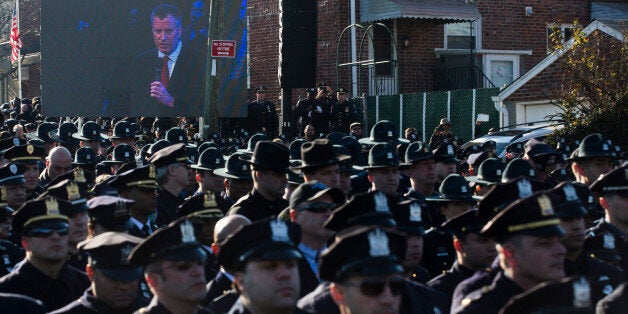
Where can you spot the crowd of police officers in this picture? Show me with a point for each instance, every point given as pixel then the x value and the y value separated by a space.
pixel 142 215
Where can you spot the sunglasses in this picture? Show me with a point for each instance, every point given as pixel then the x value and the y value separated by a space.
pixel 375 287
pixel 317 207
pixel 46 232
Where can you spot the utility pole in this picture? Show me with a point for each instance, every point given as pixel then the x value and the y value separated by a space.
pixel 210 114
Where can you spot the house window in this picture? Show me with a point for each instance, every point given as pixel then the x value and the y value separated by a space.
pixel 461 35
pixel 563 34
pixel 382 44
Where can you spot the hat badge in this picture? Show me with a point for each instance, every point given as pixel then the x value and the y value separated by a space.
pixel 94 132
pixel 152 173
pixel 125 251
pixel 609 241
pixel 73 191
pixel 52 206
pixel 378 243
pixel 415 212
pixel 570 193
pixel 450 150
pixel 381 203
pixel 525 188
pixel 13 168
pixel 545 204
pixel 217 161
pixel 16 141
pixel 88 157
pixel 463 189
pixel 187 232
pixel 244 168
pixel 581 293
pixel 389 155
pixel 79 175
pixel 30 149
pixel 209 201
pixel 279 231
pixel 126 154
pixel 425 149
pixel 390 133
pixel 127 130
pixel 498 172
pixel 120 210
pixel 605 147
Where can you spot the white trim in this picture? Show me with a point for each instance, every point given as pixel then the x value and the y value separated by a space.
pixel 487 66
pixel 443 52
pixel 477 28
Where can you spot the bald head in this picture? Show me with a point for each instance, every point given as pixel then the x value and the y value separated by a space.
pixel 228 226
pixel 59 161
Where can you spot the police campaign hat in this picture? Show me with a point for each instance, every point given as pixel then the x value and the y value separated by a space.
pixel 465 223
pixel 192 153
pixel 70 191
pixel 122 153
pixel 345 165
pixel 417 151
pixel 268 239
pixel 383 131
pixel 202 205
pixel 533 215
pixel 382 155
pixel 269 155
pixel 11 174
pixel 46 212
pixel 445 152
pixel 175 242
pixel 368 251
pixel 142 177
pixel 250 146
pixel 309 191
pixel 176 136
pixel 206 145
pixel 64 133
pixel 122 129
pixel 85 156
pixel 210 160
pixel 615 181
pixel 174 153
pixel 574 294
pixel 235 168
pixel 477 159
pixel 454 188
pixel 157 146
pixel 489 172
pixel 109 251
pixel 295 148
pixel 569 204
pixel 24 154
pixel 353 146
pixel 518 167
pixel 408 215
pixel 43 131
pixel 372 208
pixel 319 153
pixel 593 146
pixel 111 212
pixel 294 177
pixel 90 131
pixel 260 89
pixel 500 195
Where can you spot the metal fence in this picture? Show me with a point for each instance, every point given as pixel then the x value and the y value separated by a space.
pixel 423 111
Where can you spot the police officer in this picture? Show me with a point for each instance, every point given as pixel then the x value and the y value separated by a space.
pixel 262 114
pixel 29 157
pixel 12 180
pixel 421 170
pixel 114 282
pixel 237 179
pixel 139 185
pixel 90 135
pixel 173 268
pixel 122 154
pixel 269 165
pixel 45 274
pixel 611 230
pixel 342 113
pixel 123 133
pixel 319 162
pixel 592 159
pixel 305 110
pixel 263 257
pixel 210 160
pixel 473 251
pixel 173 175
pixel 108 213
pixel 529 250
pixel 10 253
pixel 324 101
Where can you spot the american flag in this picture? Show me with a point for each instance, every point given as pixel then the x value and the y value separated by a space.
pixel 15 41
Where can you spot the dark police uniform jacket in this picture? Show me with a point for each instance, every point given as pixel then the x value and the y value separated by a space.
pixel 415 299
pixel 256 207
pixel 167 204
pixel 17 303
pixel 54 293
pixel 438 251
pixel 88 303
pixel 157 308
pixel 606 276
pixel 10 255
pixel 77 260
pixel 448 281
pixel 603 237
pixel 490 299
pixel 341 116
pixel 239 308
pixel 481 278
pixel 615 303
pixel 262 117
pixel 430 214
pixel 218 286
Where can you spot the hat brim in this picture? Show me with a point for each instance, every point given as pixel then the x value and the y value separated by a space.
pixel 123 275
pixel 223 173
pixel 304 166
pixel 476 179
pixel 200 167
pixel 12 180
pixel 249 159
pixel 372 141
pixel 373 266
pixel 469 199
pixel 55 137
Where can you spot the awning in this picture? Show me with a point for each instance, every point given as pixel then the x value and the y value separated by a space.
pixel 446 11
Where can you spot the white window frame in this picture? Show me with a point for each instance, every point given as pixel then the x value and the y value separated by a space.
pixel 477 27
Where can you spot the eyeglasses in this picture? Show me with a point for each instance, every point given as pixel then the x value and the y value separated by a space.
pixel 375 287
pixel 317 207
pixel 46 232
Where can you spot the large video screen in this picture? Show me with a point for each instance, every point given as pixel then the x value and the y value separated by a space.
pixel 128 58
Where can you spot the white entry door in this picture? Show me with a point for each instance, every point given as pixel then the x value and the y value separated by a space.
pixel 501 69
